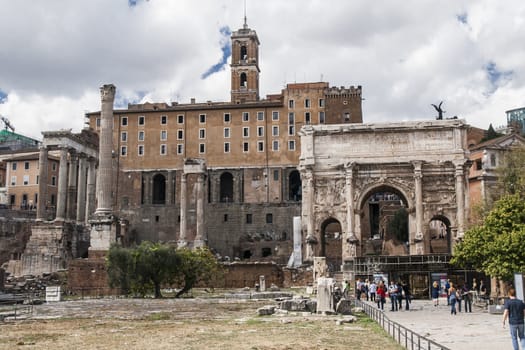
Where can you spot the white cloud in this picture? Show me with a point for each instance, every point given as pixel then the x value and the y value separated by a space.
pixel 406 54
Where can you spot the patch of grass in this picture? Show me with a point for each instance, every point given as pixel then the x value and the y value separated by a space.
pixel 158 316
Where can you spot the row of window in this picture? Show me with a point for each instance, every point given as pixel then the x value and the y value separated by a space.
pixel 202 148
pixel 25 180
pixel 307 103
pixel 202 133
pixel 14 166
pixel 227 117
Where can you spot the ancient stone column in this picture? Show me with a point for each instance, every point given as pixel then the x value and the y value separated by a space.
pixel 72 186
pixel 62 185
pixel 308 212
pixel 200 236
pixel 42 183
pixel 90 197
pixel 81 192
pixel 460 199
pixel 350 243
pixel 105 170
pixel 418 185
pixel 183 210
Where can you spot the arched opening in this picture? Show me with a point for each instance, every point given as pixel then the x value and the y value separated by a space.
pixel 226 188
pixel 294 186
pixel 159 189
pixel 244 53
pixel 331 243
pixel 439 233
pixel 244 80
pixel 385 222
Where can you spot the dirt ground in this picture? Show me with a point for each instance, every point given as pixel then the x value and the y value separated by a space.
pixel 184 324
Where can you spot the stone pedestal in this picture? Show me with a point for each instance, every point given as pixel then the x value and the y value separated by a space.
pixel 103 232
pixel 325 300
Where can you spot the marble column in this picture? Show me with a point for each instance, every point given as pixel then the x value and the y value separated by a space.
pixel 460 199
pixel 200 237
pixel 42 183
pixel 72 186
pixel 418 185
pixel 308 212
pixel 183 210
pixel 91 189
pixel 351 241
pixel 62 185
pixel 105 168
pixel 81 189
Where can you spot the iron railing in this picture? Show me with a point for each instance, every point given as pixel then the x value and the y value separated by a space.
pixel 402 335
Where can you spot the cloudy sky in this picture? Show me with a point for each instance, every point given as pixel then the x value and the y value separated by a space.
pixel 406 54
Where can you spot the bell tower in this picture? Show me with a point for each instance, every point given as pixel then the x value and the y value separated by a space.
pixel 245 65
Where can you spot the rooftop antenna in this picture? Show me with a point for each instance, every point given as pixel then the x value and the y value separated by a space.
pixel 245 26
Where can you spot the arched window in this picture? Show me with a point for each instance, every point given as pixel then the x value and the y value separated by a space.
pixel 244 53
pixel 294 186
pixel 226 194
pixel 159 189
pixel 244 80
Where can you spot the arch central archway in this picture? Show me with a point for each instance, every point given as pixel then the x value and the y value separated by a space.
pixel 385 227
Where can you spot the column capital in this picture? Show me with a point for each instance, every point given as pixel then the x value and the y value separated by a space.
pixel 107 93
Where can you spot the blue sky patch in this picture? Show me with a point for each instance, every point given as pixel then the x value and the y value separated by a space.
pixel 496 76
pixel 121 102
pixel 226 52
pixel 3 97
pixel 462 18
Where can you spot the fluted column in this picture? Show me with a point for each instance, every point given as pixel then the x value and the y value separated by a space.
pixel 183 210
pixel 308 212
pixel 200 236
pixel 418 185
pixel 90 197
pixel 351 241
pixel 42 183
pixel 105 169
pixel 460 199
pixel 81 189
pixel 62 185
pixel 72 186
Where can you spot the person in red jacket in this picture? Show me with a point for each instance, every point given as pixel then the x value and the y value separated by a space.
pixel 381 295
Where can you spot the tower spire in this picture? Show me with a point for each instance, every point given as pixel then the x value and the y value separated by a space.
pixel 245 25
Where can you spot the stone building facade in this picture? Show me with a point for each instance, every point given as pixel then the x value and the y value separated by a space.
pixel 221 173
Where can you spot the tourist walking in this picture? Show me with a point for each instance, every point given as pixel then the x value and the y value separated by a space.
pixel 447 287
pixel 467 297
pixel 400 294
pixel 392 293
pixel 452 298
pixel 372 289
pixel 358 287
pixel 381 296
pixel 408 295
pixel 435 293
pixel 346 289
pixel 514 311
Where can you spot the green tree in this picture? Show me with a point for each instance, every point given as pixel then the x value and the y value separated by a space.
pixel 512 172
pixel 146 268
pixel 398 226
pixel 120 268
pixel 491 134
pixel 496 246
pixel 197 266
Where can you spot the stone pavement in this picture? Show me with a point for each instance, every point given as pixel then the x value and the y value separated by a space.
pixel 477 330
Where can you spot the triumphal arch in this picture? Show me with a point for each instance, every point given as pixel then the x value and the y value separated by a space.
pixel 362 182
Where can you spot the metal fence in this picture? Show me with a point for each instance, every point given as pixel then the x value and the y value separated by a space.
pixel 16 306
pixel 402 335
